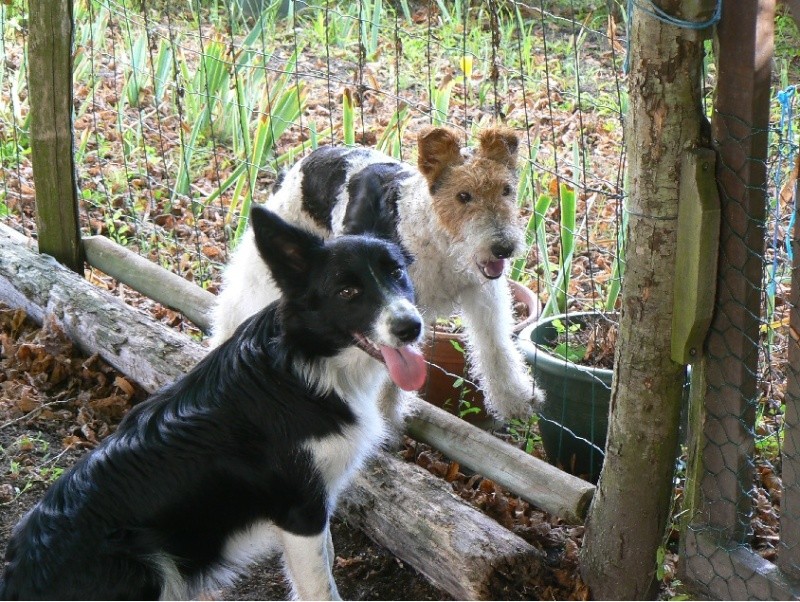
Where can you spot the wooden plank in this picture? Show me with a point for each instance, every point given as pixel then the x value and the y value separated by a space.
pixel 50 83
pixel 740 121
pixel 789 548
pixel 696 259
pixel 715 558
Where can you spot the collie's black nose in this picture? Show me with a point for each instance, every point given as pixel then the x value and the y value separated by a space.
pixel 406 328
pixel 502 250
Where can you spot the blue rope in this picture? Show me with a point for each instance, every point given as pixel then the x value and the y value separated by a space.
pixel 785 98
pixel 650 8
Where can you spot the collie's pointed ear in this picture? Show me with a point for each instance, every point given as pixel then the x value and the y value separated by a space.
pixel 499 144
pixel 438 149
pixel 287 250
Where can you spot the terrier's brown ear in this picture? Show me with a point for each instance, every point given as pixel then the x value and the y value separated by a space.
pixel 438 150
pixel 500 144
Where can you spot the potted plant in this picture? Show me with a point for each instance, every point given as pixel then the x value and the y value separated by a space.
pixel 572 359
pixel 448 385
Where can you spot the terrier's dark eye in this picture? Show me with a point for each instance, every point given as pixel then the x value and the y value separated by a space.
pixel 507 190
pixel 349 292
pixel 464 197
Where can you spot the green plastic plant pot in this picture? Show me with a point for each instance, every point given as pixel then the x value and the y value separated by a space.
pixel 573 421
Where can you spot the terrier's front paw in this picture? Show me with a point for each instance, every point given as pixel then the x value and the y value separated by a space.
pixel 520 404
pixel 537 401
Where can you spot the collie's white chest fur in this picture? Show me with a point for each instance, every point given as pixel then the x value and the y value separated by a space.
pixel 357 379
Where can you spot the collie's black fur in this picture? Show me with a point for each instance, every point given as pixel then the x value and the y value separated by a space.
pixel 245 455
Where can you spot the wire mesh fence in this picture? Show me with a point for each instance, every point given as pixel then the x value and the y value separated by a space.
pixel 740 534
pixel 185 113
pixel 191 109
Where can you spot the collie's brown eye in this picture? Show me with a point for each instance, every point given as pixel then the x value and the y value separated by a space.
pixel 506 189
pixel 464 197
pixel 349 292
pixel 397 273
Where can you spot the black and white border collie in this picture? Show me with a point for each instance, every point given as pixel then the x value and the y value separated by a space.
pixel 244 456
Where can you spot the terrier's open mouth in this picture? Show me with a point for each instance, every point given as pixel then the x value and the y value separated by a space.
pixel 406 364
pixel 493 268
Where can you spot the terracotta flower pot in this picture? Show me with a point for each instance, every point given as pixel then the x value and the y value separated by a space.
pixel 445 353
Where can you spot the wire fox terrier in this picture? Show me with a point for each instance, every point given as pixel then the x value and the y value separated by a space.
pixel 456 216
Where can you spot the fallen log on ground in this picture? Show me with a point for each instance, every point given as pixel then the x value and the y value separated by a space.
pixel 413 514
pixel 404 508
pixel 148 352
pixel 534 480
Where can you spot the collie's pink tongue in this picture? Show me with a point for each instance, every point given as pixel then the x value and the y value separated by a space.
pixel 406 366
pixel 494 268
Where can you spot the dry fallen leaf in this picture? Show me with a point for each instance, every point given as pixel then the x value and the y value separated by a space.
pixel 127 388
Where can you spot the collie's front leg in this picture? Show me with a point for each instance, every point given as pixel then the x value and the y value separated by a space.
pixel 308 561
pixel 495 360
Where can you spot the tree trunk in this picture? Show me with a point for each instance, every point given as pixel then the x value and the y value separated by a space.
pixel 628 514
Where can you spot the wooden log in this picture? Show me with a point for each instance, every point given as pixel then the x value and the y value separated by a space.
pixel 534 480
pixel 150 279
pixel 456 547
pixel 537 482
pixel 148 352
pixel 414 515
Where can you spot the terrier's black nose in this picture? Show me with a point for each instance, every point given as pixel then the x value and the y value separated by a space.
pixel 406 328
pixel 502 250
